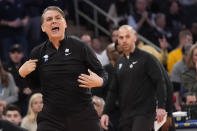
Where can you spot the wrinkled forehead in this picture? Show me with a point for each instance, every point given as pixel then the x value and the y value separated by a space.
pixel 51 13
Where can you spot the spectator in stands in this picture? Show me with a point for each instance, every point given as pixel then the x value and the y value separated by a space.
pixel 114 35
pixel 119 11
pixel 35 106
pixel 161 31
pixel 111 49
pixel 189 77
pixel 87 39
pixel 185 37
pixel 193 29
pixel 13 114
pixel 161 56
pixel 141 19
pixel 101 54
pixel 187 2
pixel 33 30
pixel 177 70
pixel 189 98
pixel 153 6
pixel 16 55
pixel 96 45
pixel 13 19
pixel 8 88
pixel 188 10
pixel 174 20
pixel 112 55
pixel 189 104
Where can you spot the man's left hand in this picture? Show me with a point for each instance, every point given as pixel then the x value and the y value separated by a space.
pixel 160 114
pixel 89 81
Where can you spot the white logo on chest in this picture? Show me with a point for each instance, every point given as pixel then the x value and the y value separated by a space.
pixel 46 58
pixel 133 63
pixel 120 66
pixel 67 52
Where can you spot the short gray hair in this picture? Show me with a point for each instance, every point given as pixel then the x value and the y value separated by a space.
pixel 51 8
pixel 128 27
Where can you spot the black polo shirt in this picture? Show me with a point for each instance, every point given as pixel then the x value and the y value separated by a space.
pixel 58 70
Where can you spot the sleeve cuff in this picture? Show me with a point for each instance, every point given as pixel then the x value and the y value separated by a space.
pixel 102 83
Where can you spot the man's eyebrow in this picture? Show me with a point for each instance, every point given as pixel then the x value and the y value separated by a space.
pixel 58 15
pixel 55 16
pixel 48 17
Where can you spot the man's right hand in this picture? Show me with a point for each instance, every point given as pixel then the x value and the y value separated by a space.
pixel 27 67
pixel 104 121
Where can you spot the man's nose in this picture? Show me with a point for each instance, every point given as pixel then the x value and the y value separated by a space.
pixel 12 119
pixel 124 40
pixel 54 20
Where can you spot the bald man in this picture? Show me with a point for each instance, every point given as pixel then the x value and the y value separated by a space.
pixel 137 82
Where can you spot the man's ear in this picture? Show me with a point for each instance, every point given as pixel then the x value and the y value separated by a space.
pixel 42 27
pixel 136 37
pixel 65 24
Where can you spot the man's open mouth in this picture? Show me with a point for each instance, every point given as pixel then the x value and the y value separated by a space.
pixel 55 29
